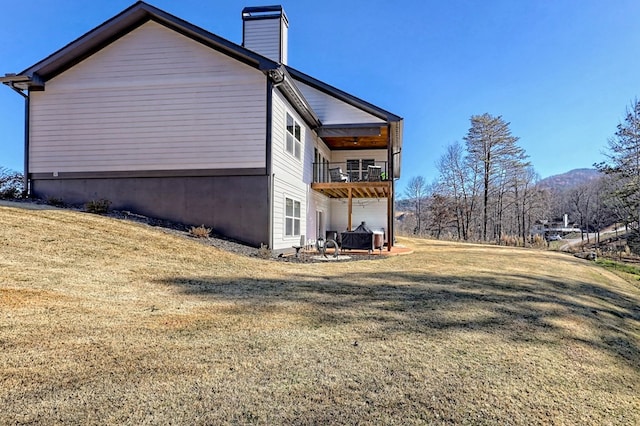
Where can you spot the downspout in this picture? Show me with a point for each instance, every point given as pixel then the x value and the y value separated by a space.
pixel 390 177
pixel 393 188
pixel 26 193
pixel 269 132
pixel 25 182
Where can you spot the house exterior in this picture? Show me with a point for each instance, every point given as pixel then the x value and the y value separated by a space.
pixel 165 119
pixel 556 227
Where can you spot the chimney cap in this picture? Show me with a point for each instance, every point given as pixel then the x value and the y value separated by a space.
pixel 264 12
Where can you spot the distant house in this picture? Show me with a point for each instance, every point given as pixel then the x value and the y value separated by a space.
pixel 558 227
pixel 168 120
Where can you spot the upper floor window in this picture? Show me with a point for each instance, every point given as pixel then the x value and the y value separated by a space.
pixel 357 169
pixel 294 144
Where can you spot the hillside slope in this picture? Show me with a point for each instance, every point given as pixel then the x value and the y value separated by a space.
pixel 570 179
pixel 109 322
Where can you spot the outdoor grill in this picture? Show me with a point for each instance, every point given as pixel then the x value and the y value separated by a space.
pixel 362 238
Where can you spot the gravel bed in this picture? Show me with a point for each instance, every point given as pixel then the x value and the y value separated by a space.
pixel 182 230
pixel 230 245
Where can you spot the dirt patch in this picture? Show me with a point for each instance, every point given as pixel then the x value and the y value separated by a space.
pixel 16 298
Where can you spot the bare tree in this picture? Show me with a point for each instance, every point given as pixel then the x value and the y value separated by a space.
pixel 491 146
pixel 600 215
pixel 580 199
pixel 416 193
pixel 11 183
pixel 459 180
pixel 442 213
pixel 624 166
pixel 526 194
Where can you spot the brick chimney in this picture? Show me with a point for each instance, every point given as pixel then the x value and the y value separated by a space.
pixel 265 31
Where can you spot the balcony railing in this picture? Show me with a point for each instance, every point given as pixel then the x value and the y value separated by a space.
pixel 350 171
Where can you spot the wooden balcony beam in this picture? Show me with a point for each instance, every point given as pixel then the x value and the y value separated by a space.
pixel 357 189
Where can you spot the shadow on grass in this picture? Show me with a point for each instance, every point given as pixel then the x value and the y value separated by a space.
pixel 514 307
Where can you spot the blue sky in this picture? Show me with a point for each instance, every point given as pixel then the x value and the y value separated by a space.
pixel 561 72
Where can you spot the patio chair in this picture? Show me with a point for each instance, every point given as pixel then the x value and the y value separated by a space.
pixel 374 173
pixel 337 175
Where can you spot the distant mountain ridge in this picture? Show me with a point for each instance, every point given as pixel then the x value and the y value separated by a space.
pixel 569 179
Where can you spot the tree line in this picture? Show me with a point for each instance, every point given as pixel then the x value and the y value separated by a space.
pixel 488 190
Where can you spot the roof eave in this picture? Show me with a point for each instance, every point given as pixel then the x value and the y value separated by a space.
pixel 297 99
pixel 343 96
pixel 126 21
pixel 395 122
pixel 22 81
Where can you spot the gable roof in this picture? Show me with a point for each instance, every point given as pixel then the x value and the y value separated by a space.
pixel 140 12
pixel 125 22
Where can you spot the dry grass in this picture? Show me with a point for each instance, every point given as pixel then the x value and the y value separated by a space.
pixel 109 322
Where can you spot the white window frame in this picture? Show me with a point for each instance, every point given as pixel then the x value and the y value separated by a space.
pixel 359 172
pixel 293 136
pixel 290 218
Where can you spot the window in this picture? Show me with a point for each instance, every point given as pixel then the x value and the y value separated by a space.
pixel 294 145
pixel 353 170
pixel 357 169
pixel 321 167
pixel 292 218
pixel 366 164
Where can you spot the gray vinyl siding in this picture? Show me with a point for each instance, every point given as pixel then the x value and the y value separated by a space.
pixel 152 100
pixel 265 36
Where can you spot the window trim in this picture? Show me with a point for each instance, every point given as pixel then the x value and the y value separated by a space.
pixel 292 217
pixel 296 139
pixel 359 173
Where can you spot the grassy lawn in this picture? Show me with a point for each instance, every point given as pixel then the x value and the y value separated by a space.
pixel 109 322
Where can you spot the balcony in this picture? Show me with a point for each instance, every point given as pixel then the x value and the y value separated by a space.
pixel 352 179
